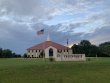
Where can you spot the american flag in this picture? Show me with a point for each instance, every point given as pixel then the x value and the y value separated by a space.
pixel 41 32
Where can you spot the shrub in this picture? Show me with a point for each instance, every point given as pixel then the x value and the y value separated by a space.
pixel 51 59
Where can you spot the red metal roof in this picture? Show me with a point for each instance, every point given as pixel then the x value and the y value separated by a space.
pixel 46 44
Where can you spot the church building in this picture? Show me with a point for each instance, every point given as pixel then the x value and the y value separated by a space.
pixel 50 49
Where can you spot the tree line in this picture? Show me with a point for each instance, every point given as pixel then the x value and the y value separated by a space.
pixel 84 47
pixel 90 50
pixel 7 53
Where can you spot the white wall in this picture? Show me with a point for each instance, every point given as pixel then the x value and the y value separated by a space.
pixel 63 56
pixel 47 52
pixel 71 57
pixel 70 51
pixel 34 53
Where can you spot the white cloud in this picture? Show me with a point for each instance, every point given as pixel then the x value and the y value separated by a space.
pixel 20 19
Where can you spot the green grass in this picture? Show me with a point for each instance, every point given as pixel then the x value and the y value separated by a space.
pixel 39 71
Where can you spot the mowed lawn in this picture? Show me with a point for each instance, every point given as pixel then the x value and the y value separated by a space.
pixel 40 71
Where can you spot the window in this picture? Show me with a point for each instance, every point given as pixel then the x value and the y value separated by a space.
pixel 67 50
pixel 59 51
pixel 50 52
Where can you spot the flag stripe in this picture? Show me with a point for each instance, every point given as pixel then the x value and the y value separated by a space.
pixel 41 32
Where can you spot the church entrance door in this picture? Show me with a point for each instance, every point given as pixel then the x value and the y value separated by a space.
pixel 50 52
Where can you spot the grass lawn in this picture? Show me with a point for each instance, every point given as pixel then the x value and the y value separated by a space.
pixel 39 71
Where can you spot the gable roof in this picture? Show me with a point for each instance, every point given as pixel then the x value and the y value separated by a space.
pixel 46 44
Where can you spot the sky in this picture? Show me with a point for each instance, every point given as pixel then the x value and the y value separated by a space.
pixel 74 20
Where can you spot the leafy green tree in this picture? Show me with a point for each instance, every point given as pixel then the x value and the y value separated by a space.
pixel 7 53
pixel 25 55
pixel 77 49
pixel 0 52
pixel 105 49
pixel 85 43
pixel 18 56
pixel 14 55
pixel 85 47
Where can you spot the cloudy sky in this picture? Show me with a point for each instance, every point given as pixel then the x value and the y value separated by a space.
pixel 72 19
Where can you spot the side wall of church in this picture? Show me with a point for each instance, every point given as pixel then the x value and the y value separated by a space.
pixel 65 51
pixel 33 53
pixel 36 53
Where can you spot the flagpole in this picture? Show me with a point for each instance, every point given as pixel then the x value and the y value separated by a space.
pixel 67 47
pixel 41 32
pixel 44 51
pixel 48 36
pixel 67 42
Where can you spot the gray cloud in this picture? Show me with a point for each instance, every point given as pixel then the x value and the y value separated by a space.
pixel 20 19
pixel 100 35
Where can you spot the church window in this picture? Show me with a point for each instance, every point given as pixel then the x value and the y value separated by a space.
pixel 67 50
pixel 50 52
pixel 59 51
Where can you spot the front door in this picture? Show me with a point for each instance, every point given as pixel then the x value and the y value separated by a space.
pixel 50 52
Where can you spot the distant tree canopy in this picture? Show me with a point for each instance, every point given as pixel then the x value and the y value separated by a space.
pixel 7 53
pixel 85 47
pixel 85 43
pixel 105 48
pixel 25 55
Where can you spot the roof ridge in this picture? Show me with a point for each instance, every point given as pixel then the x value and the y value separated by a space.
pixel 46 44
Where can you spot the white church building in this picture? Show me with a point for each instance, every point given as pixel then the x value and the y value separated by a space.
pixel 50 49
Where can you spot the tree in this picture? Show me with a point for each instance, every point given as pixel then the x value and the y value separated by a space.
pixel 7 53
pixel 104 44
pixel 1 52
pixel 85 47
pixel 105 49
pixel 14 55
pixel 93 51
pixel 85 43
pixel 25 55
pixel 18 56
pixel 76 49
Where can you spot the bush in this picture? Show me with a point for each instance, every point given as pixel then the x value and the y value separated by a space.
pixel 51 59
pixel 88 59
